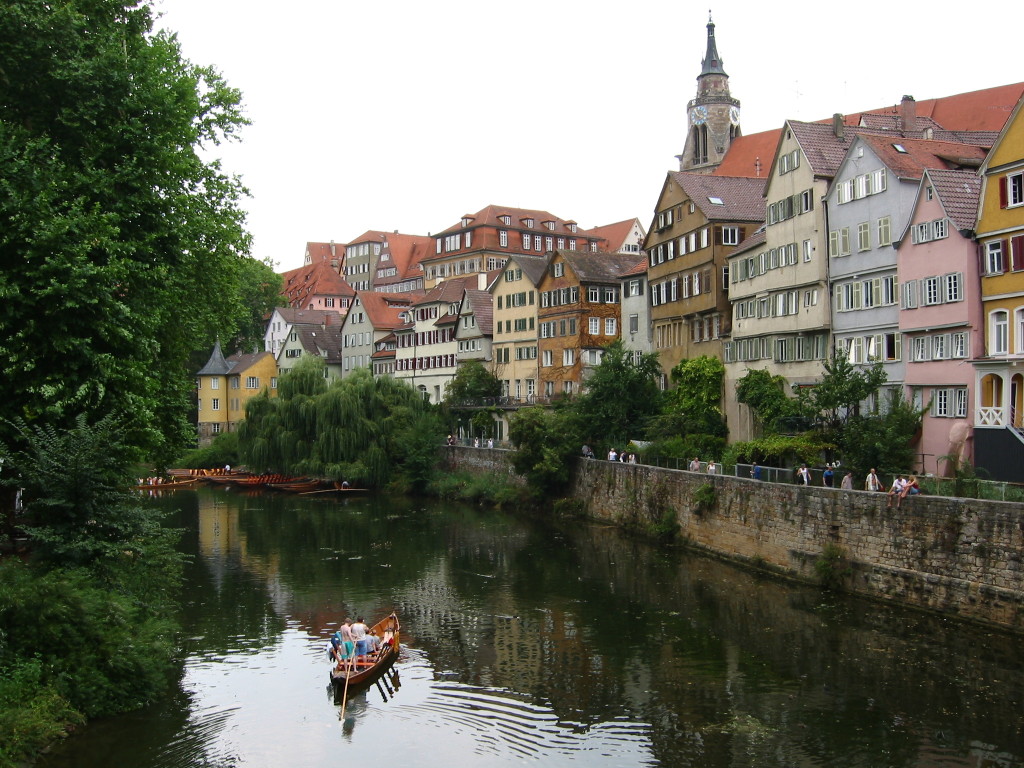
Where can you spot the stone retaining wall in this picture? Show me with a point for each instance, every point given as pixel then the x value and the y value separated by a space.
pixel 955 556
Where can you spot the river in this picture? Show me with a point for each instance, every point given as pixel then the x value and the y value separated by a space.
pixel 527 641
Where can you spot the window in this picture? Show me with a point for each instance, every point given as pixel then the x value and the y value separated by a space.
pixel 999 329
pixel 839 242
pixel 634 323
pixel 546 358
pixel 864 236
pixel 252 382
pixel 958 345
pixel 808 250
pixel 593 294
pixel 215 404
pixel 994 257
pixel 568 357
pixel 910 295
pixel 558 269
pixel 940 347
pixel 730 235
pixel 594 326
pixel 611 296
pixel 930 291
pixel 953 284
pixel 609 326
pixel 922 348
pixel 1011 190
pixel 884 231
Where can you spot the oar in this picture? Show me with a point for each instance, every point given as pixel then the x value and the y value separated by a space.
pixel 348 674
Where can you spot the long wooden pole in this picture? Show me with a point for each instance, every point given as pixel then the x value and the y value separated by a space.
pixel 348 674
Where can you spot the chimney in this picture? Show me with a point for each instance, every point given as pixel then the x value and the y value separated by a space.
pixel 908 114
pixel 332 249
pixel 838 126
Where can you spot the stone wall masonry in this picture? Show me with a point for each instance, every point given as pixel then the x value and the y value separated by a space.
pixel 963 557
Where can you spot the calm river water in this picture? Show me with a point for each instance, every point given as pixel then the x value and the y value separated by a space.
pixel 527 642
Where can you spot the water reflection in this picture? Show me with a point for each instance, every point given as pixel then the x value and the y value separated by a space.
pixel 526 641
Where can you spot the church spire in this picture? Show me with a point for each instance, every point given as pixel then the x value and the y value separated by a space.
pixel 714 115
pixel 712 64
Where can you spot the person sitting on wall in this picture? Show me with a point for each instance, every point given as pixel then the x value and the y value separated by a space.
pixel 695 465
pixel 912 488
pixel 896 491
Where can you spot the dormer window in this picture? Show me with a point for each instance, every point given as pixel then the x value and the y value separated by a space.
pixel 572 227
pixel 466 220
pixel 550 225
pixel 506 220
pixel 528 223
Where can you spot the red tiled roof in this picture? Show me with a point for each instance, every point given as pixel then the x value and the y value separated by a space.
pixel 383 309
pixel 958 191
pixel 984 110
pixel 637 269
pixel 482 304
pixel 598 267
pixel 491 213
pixel 920 154
pixel 448 292
pixel 324 251
pixel 316 279
pixel 750 156
pixel 742 197
pixel 756 238
pixel 615 235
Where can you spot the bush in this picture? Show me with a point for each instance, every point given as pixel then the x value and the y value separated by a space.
pixel 223 451
pixel 32 712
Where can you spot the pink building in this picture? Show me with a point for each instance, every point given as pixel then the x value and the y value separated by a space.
pixel 941 313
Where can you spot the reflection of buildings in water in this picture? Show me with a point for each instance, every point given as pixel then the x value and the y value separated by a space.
pixel 223 547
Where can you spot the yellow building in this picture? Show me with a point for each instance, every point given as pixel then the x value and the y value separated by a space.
pixel 999 369
pixel 225 385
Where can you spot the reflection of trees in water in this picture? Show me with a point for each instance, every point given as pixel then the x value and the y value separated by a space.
pixel 722 664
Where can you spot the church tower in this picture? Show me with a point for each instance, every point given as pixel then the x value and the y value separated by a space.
pixel 713 117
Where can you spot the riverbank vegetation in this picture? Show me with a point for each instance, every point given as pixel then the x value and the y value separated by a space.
pixel 848 416
pixel 123 252
pixel 87 610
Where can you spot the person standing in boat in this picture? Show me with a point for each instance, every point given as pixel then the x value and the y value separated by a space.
pixel 359 632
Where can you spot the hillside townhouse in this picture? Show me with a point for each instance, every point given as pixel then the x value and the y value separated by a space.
pixel 475 327
pixel 940 315
pixel 579 315
pixel 621 237
pixel 225 385
pixel 999 366
pixel 868 205
pixel 514 305
pixel 699 220
pixel 279 326
pixel 399 267
pixel 361 256
pixel 317 286
pixel 321 340
pixel 372 317
pixel 331 252
pixel 383 359
pixel 636 312
pixel 484 241
pixel 426 353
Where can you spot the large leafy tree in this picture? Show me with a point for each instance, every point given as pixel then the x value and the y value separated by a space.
pixel 472 382
pixel 621 396
pixel 122 248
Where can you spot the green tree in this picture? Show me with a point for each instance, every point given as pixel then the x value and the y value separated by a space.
pixel 472 381
pixel 621 396
pixel 123 249
pixel 837 398
pixel 765 394
pixel 884 440
pixel 545 442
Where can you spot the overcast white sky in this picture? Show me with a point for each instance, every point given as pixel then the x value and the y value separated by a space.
pixel 406 115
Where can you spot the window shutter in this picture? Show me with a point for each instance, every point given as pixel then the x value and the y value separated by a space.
pixel 1017 253
pixel 1004 197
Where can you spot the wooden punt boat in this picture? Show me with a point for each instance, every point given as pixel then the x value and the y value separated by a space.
pixel 365 673
pixel 297 486
pixel 168 485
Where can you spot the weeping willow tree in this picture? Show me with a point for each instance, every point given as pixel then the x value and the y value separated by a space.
pixel 358 429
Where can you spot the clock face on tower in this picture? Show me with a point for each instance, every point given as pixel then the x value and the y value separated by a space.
pixel 734 115
pixel 699 115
